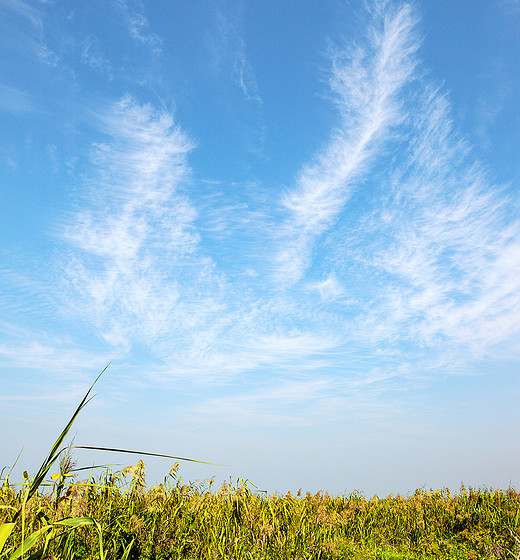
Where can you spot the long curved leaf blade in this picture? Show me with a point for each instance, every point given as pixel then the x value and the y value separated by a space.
pixel 5 531
pixel 75 521
pixel 143 453
pixel 91 468
pixel 55 451
pixel 29 542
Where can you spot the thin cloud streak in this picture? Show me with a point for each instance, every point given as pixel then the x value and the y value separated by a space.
pixel 233 50
pixel 25 349
pixel 23 31
pixel 26 11
pixel 13 100
pixel 245 75
pixel 92 56
pixel 366 82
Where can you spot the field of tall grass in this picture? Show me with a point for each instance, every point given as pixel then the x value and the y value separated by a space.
pixel 115 515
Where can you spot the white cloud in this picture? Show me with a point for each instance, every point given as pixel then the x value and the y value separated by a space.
pixel 22 30
pixel 46 55
pixel 138 25
pixel 137 227
pixel 329 289
pixel 137 271
pixel 246 77
pixel 431 261
pixel 446 245
pixel 366 81
pixel 285 403
pixel 28 349
pixel 430 269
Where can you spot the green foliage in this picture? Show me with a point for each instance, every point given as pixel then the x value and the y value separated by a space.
pixel 51 527
pixel 117 516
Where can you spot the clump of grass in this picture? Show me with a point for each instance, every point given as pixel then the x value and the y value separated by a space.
pixel 179 520
pixel 116 516
pixel 51 529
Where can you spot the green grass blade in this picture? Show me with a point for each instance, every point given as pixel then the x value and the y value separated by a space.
pixel 5 531
pixel 75 521
pixel 94 467
pixel 29 542
pixel 127 550
pixel 56 448
pixel 100 536
pixel 143 453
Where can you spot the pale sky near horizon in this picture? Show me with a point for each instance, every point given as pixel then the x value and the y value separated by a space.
pixel 294 226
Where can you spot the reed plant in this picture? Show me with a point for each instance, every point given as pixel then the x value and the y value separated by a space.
pixel 20 534
pixel 115 515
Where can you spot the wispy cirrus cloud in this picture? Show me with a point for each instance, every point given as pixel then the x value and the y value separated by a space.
pixel 92 55
pixel 459 257
pixel 329 289
pixel 231 51
pixel 139 273
pixel 218 356
pixel 302 400
pixel 245 75
pixel 136 227
pixel 428 261
pixel 27 11
pixel 14 100
pixel 440 249
pixel 432 259
pixel 57 356
pixel 285 403
pixel 138 25
pixel 23 31
pixel 25 348
pixel 366 81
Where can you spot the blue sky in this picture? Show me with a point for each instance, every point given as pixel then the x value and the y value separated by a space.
pixel 296 225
